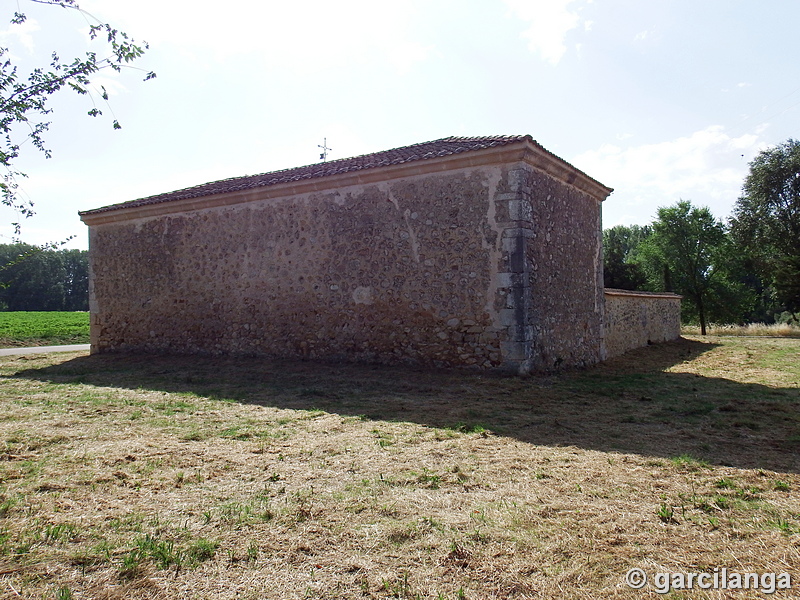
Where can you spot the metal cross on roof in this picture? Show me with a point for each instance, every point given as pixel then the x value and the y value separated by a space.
pixel 324 155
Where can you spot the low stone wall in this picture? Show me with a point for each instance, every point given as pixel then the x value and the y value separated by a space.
pixel 636 319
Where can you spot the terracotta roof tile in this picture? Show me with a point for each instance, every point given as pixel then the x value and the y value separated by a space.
pixel 422 151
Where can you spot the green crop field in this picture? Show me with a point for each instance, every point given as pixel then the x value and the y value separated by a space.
pixel 43 328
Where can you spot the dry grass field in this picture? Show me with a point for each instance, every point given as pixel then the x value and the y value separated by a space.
pixel 127 477
pixel 751 329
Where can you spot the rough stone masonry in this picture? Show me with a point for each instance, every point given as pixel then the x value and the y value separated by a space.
pixel 482 252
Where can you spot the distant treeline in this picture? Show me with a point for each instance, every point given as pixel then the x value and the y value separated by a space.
pixel 34 279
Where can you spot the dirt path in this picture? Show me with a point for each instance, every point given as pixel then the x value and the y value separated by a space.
pixel 43 349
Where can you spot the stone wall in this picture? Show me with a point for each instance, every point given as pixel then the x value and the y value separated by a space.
pixel 487 259
pixel 402 270
pixel 565 271
pixel 636 319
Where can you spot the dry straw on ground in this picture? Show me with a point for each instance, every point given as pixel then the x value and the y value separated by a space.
pixel 155 477
pixel 751 329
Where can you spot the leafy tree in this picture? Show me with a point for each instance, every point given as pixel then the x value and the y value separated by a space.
pixel 33 278
pixel 687 253
pixel 620 246
pixel 766 219
pixel 76 279
pixel 24 97
pixel 756 301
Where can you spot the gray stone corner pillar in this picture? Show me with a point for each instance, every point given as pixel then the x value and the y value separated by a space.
pixel 514 274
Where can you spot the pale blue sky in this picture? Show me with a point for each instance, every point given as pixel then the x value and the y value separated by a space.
pixel 660 99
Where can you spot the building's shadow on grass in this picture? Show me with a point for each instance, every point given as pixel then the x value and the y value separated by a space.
pixel 630 404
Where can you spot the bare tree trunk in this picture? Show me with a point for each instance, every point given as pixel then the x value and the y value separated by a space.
pixel 702 314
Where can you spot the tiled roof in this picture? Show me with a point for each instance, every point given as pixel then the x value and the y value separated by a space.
pixel 423 151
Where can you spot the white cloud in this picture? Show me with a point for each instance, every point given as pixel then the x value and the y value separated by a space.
pixel 550 21
pixel 706 167
pixel 108 81
pixel 311 35
pixel 22 33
